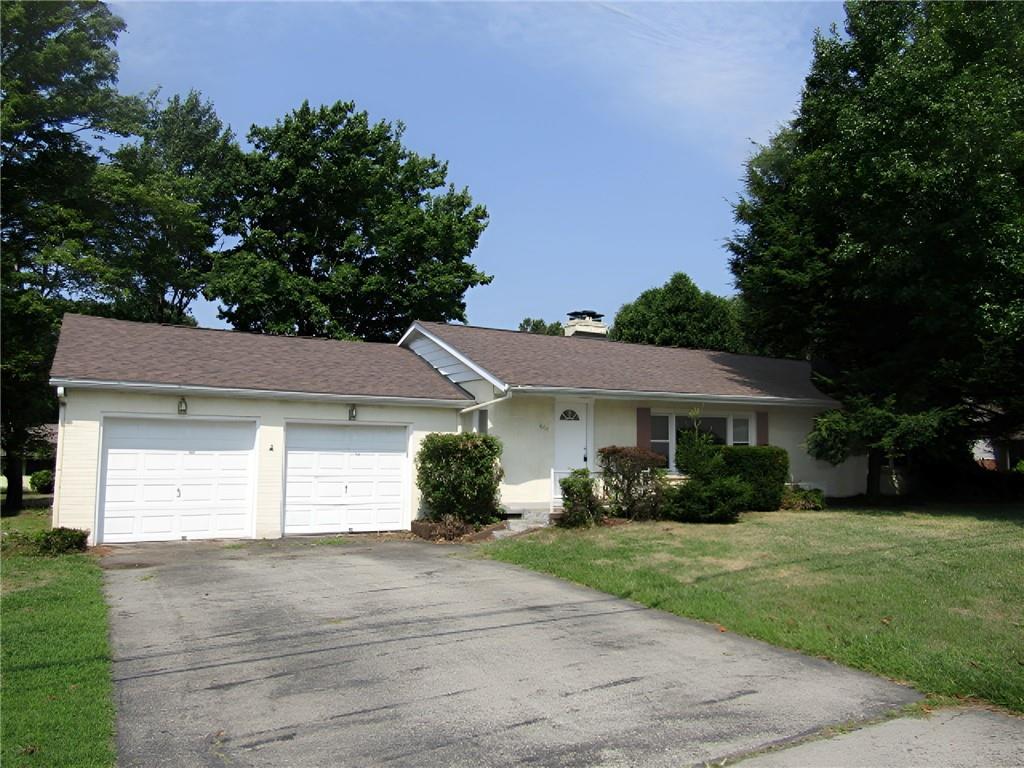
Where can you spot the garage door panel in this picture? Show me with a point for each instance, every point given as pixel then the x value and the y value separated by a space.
pixel 389 461
pixel 331 461
pixel 158 523
pixel 389 490
pixel 203 493
pixel 301 460
pixel 158 493
pixel 232 491
pixel 167 479
pixel 339 476
pixel 122 461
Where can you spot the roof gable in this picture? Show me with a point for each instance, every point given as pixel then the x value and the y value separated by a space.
pixel 96 349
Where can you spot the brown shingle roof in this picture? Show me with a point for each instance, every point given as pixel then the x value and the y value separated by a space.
pixel 527 359
pixel 99 349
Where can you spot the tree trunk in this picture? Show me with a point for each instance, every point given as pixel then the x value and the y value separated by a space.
pixel 15 493
pixel 874 489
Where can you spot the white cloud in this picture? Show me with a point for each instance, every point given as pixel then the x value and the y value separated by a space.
pixel 728 70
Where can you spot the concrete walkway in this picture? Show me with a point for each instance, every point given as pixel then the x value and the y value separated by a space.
pixel 957 738
pixel 407 653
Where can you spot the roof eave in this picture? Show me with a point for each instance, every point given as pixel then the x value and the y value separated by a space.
pixel 273 394
pixel 688 397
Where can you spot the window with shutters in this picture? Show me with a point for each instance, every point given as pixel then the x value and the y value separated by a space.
pixel 724 428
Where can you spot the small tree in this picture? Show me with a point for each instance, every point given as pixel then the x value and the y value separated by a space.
pixel 458 476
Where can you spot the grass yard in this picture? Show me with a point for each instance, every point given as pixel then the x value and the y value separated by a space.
pixel 933 598
pixel 56 706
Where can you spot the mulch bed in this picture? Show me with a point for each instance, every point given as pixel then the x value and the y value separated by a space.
pixel 432 531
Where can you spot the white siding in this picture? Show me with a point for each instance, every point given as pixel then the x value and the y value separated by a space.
pixel 442 361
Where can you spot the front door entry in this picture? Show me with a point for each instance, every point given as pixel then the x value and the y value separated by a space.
pixel 571 435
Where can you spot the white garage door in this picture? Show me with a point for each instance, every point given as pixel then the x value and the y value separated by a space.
pixel 345 478
pixel 166 479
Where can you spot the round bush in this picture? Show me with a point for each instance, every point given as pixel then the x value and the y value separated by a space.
pixel 580 506
pixel 41 481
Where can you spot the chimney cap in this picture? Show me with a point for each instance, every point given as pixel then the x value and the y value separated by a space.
pixel 582 314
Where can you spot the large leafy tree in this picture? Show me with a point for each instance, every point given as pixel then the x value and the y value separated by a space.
pixel 344 232
pixel 163 201
pixel 679 314
pixel 59 69
pixel 882 231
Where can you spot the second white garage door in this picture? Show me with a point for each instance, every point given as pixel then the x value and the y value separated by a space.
pixel 345 478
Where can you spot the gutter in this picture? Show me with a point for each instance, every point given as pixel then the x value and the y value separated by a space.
pixel 629 394
pixel 478 406
pixel 197 390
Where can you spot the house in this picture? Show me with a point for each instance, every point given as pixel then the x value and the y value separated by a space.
pixel 169 432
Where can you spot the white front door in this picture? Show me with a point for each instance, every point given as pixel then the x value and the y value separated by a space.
pixel 571 435
pixel 167 479
pixel 343 478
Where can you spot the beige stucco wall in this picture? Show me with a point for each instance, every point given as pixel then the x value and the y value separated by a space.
pixel 526 425
pixel 76 505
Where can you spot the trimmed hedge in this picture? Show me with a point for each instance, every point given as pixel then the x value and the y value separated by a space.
pixel 764 467
pixel 707 500
pixel 458 476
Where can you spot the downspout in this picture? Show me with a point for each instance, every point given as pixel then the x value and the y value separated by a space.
pixel 478 406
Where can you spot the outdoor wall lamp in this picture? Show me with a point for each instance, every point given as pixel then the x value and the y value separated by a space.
pixel 351 413
pixel 182 407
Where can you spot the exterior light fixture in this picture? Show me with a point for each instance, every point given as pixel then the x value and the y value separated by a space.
pixel 351 413
pixel 182 407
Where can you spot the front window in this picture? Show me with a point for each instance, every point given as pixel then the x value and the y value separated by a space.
pixel 660 441
pixel 716 426
pixel 726 429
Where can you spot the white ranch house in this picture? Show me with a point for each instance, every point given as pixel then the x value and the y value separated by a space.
pixel 169 433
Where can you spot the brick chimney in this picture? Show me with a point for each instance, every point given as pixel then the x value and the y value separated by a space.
pixel 586 323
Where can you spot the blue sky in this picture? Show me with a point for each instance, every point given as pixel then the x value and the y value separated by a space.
pixel 607 141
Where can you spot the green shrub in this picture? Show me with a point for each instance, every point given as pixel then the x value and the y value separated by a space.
pixel 54 541
pixel 708 500
pixel 797 498
pixel 581 508
pixel 60 541
pixel 765 468
pixel 458 475
pixel 697 455
pixel 634 481
pixel 41 481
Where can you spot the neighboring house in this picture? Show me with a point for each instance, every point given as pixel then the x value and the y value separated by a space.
pixel 1000 454
pixel 42 457
pixel 170 432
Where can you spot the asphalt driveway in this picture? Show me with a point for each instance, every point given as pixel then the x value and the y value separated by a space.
pixel 408 653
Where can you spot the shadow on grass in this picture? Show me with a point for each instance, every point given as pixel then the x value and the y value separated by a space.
pixel 1007 511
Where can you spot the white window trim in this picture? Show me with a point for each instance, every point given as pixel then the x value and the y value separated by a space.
pixel 727 415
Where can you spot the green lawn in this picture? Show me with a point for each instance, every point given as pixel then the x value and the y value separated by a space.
pixel 934 598
pixel 56 706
